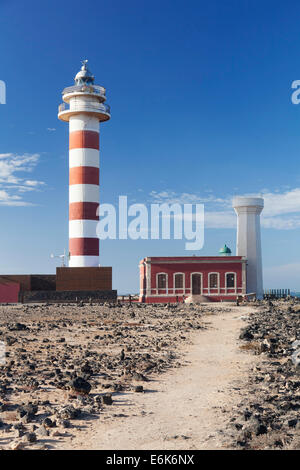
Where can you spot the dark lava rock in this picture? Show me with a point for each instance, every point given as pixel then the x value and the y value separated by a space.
pixel 107 399
pixel 246 334
pixel 80 385
pixel 68 412
pixel 292 423
pixel 30 437
pixel 86 369
pixel 28 410
pixel 17 327
pixel 49 423
pixel 64 423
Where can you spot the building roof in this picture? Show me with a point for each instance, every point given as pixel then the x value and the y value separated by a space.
pixel 194 259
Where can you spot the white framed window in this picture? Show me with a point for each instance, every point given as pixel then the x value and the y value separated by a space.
pixel 161 281
pixel 230 281
pixel 178 281
pixel 213 281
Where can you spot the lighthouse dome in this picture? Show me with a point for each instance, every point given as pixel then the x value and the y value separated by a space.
pixel 225 251
pixel 84 76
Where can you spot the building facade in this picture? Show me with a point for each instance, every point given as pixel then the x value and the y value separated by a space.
pixel 171 279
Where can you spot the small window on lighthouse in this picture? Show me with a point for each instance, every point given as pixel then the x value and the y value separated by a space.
pixel 230 280
pixel 162 281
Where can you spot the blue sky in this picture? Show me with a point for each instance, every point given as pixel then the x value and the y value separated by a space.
pixel 201 111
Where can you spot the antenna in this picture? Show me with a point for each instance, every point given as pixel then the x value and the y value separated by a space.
pixel 62 257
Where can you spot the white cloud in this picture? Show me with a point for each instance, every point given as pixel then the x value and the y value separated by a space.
pixel 12 183
pixel 218 219
pixel 281 211
pixel 282 203
pixel 171 197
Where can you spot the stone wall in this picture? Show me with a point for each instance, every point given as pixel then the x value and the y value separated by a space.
pixel 68 296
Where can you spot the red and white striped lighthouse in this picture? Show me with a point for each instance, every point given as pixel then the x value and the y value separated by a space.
pixel 84 109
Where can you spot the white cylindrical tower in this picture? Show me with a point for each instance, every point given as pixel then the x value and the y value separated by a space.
pixel 248 211
pixel 84 108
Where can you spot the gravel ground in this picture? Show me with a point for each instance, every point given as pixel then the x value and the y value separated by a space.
pixel 66 364
pixel 72 372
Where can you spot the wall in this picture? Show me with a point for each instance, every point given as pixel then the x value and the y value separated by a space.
pixel 70 296
pixel 9 291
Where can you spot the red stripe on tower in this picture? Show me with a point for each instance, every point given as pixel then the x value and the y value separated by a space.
pixel 84 246
pixel 84 175
pixel 84 139
pixel 83 211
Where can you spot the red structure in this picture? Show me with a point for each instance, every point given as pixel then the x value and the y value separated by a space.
pixel 9 291
pixel 170 279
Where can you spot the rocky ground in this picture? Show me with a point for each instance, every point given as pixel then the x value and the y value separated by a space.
pixel 67 365
pixel 268 416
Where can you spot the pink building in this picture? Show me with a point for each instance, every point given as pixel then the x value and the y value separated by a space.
pixel 170 279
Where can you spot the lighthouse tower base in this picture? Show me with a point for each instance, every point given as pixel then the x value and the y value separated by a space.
pixel 84 279
pixel 68 285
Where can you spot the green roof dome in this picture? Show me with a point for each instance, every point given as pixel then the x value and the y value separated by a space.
pixel 225 250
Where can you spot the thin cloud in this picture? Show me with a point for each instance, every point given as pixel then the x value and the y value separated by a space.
pixel 12 183
pixel 281 208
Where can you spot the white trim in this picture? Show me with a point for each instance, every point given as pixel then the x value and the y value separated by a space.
pixel 148 277
pixel 244 278
pixel 218 285
pixel 157 288
pixel 191 284
pixel 211 295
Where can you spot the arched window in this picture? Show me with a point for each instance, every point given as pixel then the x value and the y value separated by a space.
pixel 230 280
pixel 162 281
pixel 178 281
pixel 213 281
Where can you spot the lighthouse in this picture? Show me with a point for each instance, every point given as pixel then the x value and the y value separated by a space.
pixel 84 108
pixel 248 210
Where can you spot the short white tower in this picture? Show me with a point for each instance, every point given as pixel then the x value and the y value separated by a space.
pixel 248 244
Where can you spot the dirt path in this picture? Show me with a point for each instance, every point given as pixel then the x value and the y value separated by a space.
pixel 184 408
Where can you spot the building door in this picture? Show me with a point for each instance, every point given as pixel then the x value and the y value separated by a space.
pixel 196 284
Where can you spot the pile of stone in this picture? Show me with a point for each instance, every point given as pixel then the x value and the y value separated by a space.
pixel 269 413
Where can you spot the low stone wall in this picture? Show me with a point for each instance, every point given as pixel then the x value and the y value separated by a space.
pixel 68 296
